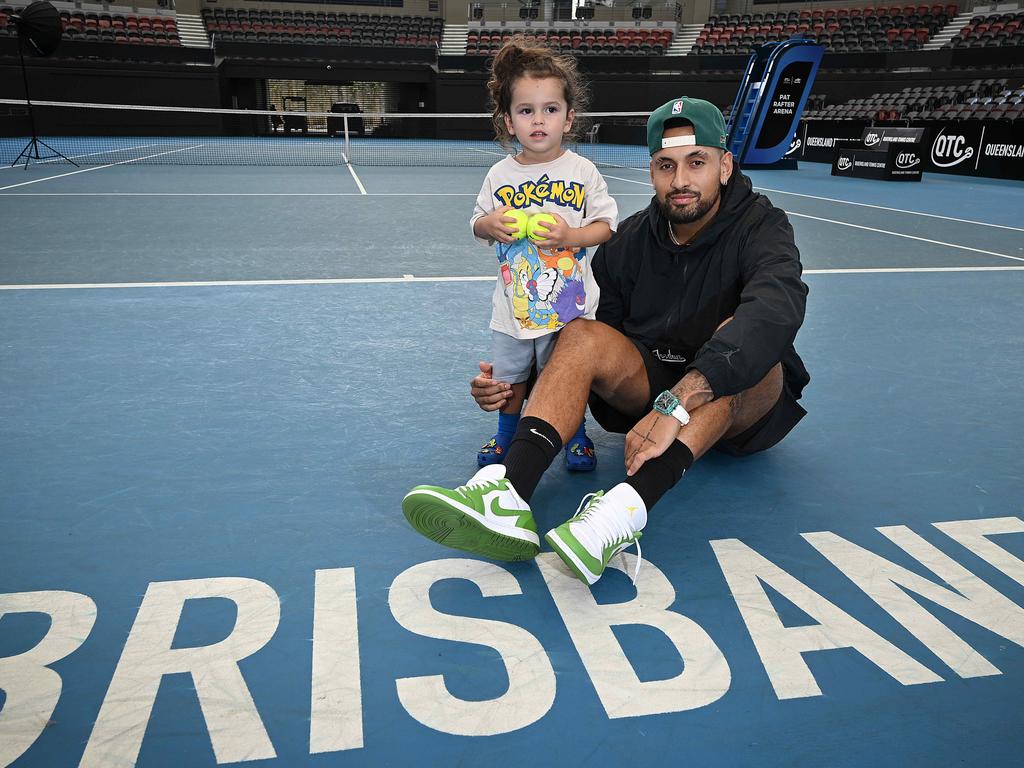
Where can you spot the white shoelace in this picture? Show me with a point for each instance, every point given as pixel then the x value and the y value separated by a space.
pixel 479 485
pixel 482 485
pixel 604 530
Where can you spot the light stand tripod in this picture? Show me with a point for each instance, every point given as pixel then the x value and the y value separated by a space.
pixel 31 150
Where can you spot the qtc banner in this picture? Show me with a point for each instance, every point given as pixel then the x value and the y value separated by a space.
pixel 820 138
pixel 893 163
pixel 886 136
pixel 993 148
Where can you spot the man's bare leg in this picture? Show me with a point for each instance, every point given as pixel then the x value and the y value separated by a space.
pixel 588 356
pixel 729 416
pixel 592 356
pixel 658 453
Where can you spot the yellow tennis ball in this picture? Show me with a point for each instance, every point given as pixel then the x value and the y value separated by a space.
pixel 521 225
pixel 537 228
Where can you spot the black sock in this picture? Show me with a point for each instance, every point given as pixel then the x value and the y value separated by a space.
pixel 657 475
pixel 530 453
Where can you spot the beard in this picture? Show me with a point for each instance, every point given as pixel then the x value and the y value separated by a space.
pixel 687 214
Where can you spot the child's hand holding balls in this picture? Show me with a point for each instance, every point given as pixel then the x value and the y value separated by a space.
pixel 520 223
pixel 539 226
pixel 505 225
pixel 549 230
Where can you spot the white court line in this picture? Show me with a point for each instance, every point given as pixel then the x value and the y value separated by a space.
pixel 906 270
pixel 236 194
pixel 75 157
pixel 466 194
pixel 850 202
pixel 100 167
pixel 870 229
pixel 881 231
pixel 909 237
pixel 631 181
pixel 894 210
pixel 448 279
pixel 603 162
pixel 489 152
pixel 352 170
pixel 263 194
pixel 242 283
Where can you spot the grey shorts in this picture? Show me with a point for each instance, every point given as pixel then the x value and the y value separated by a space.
pixel 513 359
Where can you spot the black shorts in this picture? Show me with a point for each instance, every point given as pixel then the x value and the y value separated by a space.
pixel 762 435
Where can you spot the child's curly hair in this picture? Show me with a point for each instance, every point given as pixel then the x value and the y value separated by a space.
pixel 522 58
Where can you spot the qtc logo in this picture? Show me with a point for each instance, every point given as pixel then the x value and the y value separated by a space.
pixel 951 150
pixel 793 147
pixel 905 160
pixel 844 163
pixel 872 139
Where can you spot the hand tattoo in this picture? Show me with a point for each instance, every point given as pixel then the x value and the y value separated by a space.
pixel 646 438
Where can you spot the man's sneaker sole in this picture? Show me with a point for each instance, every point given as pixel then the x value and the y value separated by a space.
pixel 439 521
pixel 570 559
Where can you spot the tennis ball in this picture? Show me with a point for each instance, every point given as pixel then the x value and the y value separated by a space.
pixel 537 228
pixel 521 225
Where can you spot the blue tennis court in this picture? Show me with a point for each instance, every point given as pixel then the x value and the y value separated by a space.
pixel 218 382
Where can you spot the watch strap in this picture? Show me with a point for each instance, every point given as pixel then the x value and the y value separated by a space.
pixel 681 415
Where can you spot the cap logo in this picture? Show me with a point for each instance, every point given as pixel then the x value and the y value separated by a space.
pixel 679 141
pixel 677 108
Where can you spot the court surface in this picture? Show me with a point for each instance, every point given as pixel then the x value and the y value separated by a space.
pixel 217 383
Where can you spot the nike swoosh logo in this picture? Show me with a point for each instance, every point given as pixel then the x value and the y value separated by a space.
pixel 499 511
pixel 544 437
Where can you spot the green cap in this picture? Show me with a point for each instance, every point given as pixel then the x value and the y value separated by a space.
pixel 706 118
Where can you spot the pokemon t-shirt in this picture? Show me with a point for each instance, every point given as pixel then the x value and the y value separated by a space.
pixel 540 290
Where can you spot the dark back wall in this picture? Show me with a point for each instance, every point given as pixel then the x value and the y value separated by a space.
pixel 112 82
pixel 609 92
pixel 632 93
pixel 457 92
pixel 109 83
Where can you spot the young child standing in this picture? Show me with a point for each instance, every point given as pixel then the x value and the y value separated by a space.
pixel 545 279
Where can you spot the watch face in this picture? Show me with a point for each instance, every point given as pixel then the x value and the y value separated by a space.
pixel 666 402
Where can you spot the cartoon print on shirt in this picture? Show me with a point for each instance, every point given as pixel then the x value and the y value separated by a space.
pixel 547 285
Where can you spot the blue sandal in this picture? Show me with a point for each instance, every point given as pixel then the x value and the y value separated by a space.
pixel 491 452
pixel 580 455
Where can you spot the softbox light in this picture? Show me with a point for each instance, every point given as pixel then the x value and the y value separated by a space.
pixel 39 27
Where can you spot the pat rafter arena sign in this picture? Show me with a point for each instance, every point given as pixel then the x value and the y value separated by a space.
pixel 991 148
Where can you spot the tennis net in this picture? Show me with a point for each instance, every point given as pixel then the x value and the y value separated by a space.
pixel 102 134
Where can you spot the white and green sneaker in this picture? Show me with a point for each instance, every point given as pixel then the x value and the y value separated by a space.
pixel 485 516
pixel 607 524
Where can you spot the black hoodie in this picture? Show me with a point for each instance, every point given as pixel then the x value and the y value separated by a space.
pixel 744 264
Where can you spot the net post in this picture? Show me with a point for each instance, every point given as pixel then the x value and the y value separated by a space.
pixel 348 148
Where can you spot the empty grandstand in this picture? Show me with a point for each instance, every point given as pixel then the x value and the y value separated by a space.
pixel 883 64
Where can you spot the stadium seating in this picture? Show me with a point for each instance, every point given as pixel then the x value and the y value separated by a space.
pixel 319 28
pixel 991 99
pixel 991 31
pixel 843 30
pixel 108 27
pixel 637 41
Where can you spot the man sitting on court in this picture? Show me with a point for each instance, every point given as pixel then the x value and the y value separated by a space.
pixel 692 349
